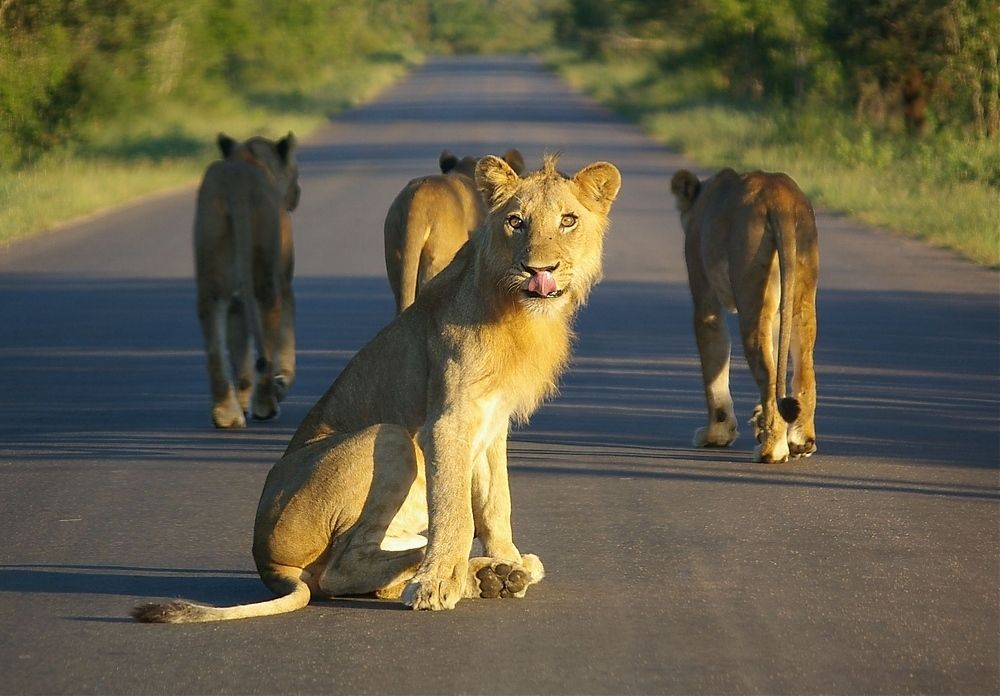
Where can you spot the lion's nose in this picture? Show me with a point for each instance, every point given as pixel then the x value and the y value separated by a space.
pixel 539 269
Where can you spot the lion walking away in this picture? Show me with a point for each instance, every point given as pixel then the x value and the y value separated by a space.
pixel 751 246
pixel 430 220
pixel 243 269
pixel 403 461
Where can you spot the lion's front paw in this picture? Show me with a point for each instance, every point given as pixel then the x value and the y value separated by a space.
pixel 434 592
pixel 502 579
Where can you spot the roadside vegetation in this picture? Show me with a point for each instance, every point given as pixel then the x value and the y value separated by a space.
pixel 885 110
pixel 104 101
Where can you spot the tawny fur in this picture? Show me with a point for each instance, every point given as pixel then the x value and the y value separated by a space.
pixel 243 269
pixel 430 220
pixel 403 461
pixel 751 246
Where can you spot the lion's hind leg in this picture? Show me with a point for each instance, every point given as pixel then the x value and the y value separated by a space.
pixel 492 578
pixel 712 337
pixel 368 569
pixel 384 548
pixel 240 354
pixel 802 432
pixel 213 314
pixel 758 316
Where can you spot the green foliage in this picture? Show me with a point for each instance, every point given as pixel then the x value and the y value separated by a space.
pixel 487 26
pixel 944 188
pixel 63 62
pixel 67 66
pixel 914 66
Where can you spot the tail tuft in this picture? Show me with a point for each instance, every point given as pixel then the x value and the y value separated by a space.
pixel 177 611
pixel 789 408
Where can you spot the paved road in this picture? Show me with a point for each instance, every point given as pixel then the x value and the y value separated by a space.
pixel 872 567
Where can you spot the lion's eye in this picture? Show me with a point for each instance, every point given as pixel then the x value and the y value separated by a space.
pixel 516 222
pixel 568 220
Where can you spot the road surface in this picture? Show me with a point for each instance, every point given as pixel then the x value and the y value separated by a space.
pixel 872 567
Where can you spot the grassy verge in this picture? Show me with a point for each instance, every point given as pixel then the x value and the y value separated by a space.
pixel 122 160
pixel 945 190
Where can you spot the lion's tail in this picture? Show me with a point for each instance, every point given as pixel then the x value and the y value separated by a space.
pixel 783 228
pixel 182 611
pixel 417 230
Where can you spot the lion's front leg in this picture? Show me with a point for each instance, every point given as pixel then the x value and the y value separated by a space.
pixel 440 581
pixel 491 501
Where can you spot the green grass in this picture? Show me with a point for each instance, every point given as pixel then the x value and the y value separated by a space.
pixel 945 190
pixel 120 161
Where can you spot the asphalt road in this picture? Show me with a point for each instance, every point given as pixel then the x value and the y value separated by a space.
pixel 873 567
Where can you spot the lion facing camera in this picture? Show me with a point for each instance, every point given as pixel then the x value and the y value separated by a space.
pixel 403 462
pixel 751 246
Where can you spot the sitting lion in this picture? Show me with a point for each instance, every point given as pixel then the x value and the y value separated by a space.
pixel 751 246
pixel 412 436
pixel 430 220
pixel 243 268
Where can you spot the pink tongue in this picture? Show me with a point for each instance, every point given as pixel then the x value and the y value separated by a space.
pixel 543 283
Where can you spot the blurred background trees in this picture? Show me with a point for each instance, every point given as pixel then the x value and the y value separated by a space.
pixel 916 66
pixel 913 65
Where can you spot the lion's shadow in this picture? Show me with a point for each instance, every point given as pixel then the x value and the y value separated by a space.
pixel 211 586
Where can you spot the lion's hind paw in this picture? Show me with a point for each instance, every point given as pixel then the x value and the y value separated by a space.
pixel 799 450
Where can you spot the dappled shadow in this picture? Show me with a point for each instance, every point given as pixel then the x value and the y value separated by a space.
pixel 213 587
pixel 664 464
pixel 911 376
pixel 113 369
pixel 200 585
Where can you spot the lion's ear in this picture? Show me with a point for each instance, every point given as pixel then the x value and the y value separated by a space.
pixel 686 188
pixel 447 161
pixel 285 147
pixel 226 144
pixel 514 159
pixel 599 183
pixel 496 180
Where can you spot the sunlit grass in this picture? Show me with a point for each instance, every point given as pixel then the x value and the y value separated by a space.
pixel 120 161
pixel 946 192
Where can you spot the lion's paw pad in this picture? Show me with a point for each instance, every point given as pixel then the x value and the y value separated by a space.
pixel 501 580
pixel 804 449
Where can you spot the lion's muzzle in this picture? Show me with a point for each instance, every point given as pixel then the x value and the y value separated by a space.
pixel 542 282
